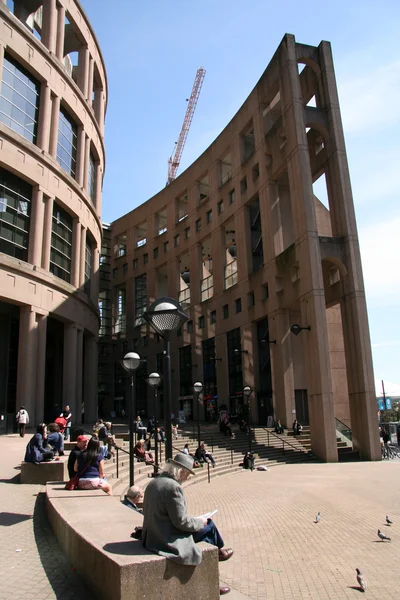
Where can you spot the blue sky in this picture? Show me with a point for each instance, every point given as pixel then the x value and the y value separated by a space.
pixel 152 50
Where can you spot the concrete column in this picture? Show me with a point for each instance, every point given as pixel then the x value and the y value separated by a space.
pixel 90 379
pixel 82 257
pixel 3 1
pixel 218 256
pixel 55 114
pixel 47 229
pixel 99 108
pixel 98 184
pixel 243 243
pixel 43 134
pixel 90 80
pixel 83 69
pixel 94 284
pixel 27 361
pixel 282 366
pixel 86 163
pixel 70 368
pixel 60 33
pixel 195 273
pixel 80 156
pixel 76 243
pixel 79 374
pixel 249 343
pixel 49 25
pixel 36 227
pixel 40 365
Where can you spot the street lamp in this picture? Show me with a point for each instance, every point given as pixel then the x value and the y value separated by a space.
pixel 165 315
pixel 154 380
pixel 246 392
pixel 198 388
pixel 130 363
pixel 295 329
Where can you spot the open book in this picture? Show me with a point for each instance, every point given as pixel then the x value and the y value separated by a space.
pixel 208 515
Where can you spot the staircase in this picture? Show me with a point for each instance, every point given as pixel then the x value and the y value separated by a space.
pixel 343 441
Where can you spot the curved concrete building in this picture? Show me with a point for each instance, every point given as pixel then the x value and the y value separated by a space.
pixel 248 249
pixel 52 104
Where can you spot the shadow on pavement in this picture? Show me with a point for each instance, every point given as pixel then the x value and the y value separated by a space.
pixel 7 519
pixel 15 479
pixel 65 581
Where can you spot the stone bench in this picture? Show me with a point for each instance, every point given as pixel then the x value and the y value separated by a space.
pixel 94 532
pixel 53 470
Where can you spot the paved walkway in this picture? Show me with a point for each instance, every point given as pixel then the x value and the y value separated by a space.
pixel 267 517
pixel 32 564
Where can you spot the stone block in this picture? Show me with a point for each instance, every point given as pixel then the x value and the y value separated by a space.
pixel 54 470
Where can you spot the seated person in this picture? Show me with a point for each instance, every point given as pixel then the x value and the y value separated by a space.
pixel 297 428
pixel 174 431
pixel 248 461
pixel 90 468
pixel 151 427
pixel 160 434
pixel 224 426
pixel 98 425
pixel 104 433
pixel 186 451
pixel 55 441
pixel 140 452
pixel 81 443
pixel 132 498
pixel 279 427
pixel 167 528
pixel 242 425
pixel 140 429
pixel 202 456
pixel 36 451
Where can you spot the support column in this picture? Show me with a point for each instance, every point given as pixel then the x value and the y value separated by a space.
pixel 90 80
pixel 196 273
pixel 43 134
pixel 83 69
pixel 99 108
pixel 55 113
pixel 282 367
pixel 70 369
pixel 1 60
pixel 27 361
pixel 98 184
pixel 94 284
pixel 90 379
pixel 86 164
pixel 79 374
pixel 249 335
pixel 80 155
pixel 36 228
pixel 60 33
pixel 82 257
pixel 76 244
pixel 49 25
pixel 41 365
pixel 48 225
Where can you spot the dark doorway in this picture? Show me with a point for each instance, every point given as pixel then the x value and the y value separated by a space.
pixel 54 369
pixel 301 400
pixel 264 395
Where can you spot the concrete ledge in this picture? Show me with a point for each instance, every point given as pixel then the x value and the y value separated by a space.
pixel 94 531
pixel 54 470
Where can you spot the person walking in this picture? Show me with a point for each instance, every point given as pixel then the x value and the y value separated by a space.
pixel 22 420
pixel 67 415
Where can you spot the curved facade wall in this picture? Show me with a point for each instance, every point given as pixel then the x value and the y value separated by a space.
pixel 240 239
pixel 53 97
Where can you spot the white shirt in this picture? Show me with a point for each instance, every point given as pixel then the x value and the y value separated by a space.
pixel 22 416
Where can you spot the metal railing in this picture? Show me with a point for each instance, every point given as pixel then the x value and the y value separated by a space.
pixel 344 430
pixel 283 442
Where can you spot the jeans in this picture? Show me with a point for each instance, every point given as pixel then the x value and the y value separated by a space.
pixel 67 431
pixel 56 441
pixel 209 534
pixel 142 432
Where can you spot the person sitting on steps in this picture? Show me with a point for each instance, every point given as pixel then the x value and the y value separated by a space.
pixel 36 451
pixel 202 456
pixel 279 427
pixel 297 428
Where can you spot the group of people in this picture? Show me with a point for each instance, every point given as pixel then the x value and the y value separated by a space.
pixel 63 421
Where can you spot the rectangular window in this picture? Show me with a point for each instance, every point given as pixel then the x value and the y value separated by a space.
pixel 92 178
pixel 243 185
pixel 140 295
pixel 67 142
pixel 115 272
pixel 88 265
pixel 166 245
pixel 238 305
pixel 190 326
pixel 135 263
pixel 155 252
pixel 231 197
pixel 225 311
pixel 124 268
pixel 19 99
pixel 187 233
pixel 176 240
pixel 251 299
pixel 255 172
pixel 61 244
pixel 198 224
pixel 120 319
pixel 209 216
pixel 15 208
pixel 201 322
pixel 220 207
pixel 266 291
pixel 213 317
pixel 145 258
pixel 179 332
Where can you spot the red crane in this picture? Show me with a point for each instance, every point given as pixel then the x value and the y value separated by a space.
pixel 175 158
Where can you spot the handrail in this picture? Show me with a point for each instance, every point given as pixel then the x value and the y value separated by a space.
pixel 344 429
pixel 283 441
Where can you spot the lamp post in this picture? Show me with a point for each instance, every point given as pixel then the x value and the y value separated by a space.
pixel 165 315
pixel 130 363
pixel 246 392
pixel 198 388
pixel 154 380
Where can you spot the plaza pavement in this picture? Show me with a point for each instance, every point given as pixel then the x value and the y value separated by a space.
pixel 267 517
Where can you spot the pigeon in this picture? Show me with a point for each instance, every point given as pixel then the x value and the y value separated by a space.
pixel 317 518
pixel 383 537
pixel 388 521
pixel 361 581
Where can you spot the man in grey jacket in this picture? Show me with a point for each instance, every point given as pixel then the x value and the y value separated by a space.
pixel 167 528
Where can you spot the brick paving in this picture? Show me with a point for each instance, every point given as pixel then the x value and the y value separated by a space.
pixel 32 564
pixel 267 517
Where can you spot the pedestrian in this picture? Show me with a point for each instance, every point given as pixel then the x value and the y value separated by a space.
pixel 67 415
pixel 22 420
pixel 398 434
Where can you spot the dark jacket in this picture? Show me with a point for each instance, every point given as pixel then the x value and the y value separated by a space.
pixel 132 506
pixel 35 449
pixel 74 455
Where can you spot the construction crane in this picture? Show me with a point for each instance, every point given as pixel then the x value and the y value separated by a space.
pixel 175 158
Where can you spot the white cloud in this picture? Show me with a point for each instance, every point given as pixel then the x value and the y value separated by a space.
pixel 391 389
pixel 371 101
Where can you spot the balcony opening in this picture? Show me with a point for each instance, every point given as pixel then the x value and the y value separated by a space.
pixel 272 113
pixel 204 189
pixel 120 246
pixel 230 269
pixel 248 144
pixel 140 235
pixel 256 234
pixel 184 280
pixel 207 279
pixel 182 208
pixel 161 222
pixel 225 169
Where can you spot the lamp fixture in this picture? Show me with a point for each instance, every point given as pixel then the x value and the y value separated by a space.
pixel 295 329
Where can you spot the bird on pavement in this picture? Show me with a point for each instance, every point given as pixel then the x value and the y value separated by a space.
pixel 317 518
pixel 388 521
pixel 382 536
pixel 361 581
